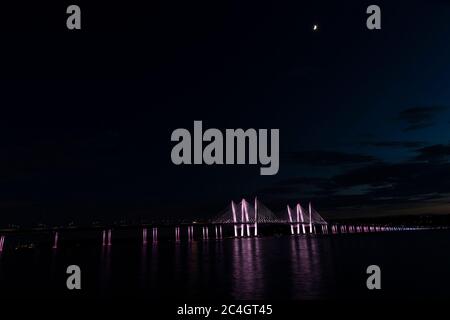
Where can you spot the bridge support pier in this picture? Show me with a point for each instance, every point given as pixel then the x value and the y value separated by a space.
pixel 144 236
pixel 55 240
pixel 177 234
pixel 2 243
pixel 190 233
pixel 155 235
pixel 205 233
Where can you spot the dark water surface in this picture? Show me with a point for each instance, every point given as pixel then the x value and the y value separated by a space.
pixel 414 264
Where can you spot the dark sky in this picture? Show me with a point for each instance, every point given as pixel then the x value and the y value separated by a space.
pixel 87 115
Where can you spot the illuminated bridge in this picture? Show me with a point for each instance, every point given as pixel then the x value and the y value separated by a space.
pixel 238 220
pixel 245 217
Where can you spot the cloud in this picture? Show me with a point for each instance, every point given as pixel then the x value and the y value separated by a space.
pixel 305 186
pixel 400 185
pixel 379 188
pixel 303 181
pixel 328 158
pixel 371 187
pixel 376 175
pixel 406 180
pixel 279 190
pixel 393 144
pixel 419 117
pixel 437 152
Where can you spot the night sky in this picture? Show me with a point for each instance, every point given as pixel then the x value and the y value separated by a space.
pixel 86 116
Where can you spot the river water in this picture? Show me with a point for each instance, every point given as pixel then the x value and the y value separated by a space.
pixel 414 264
